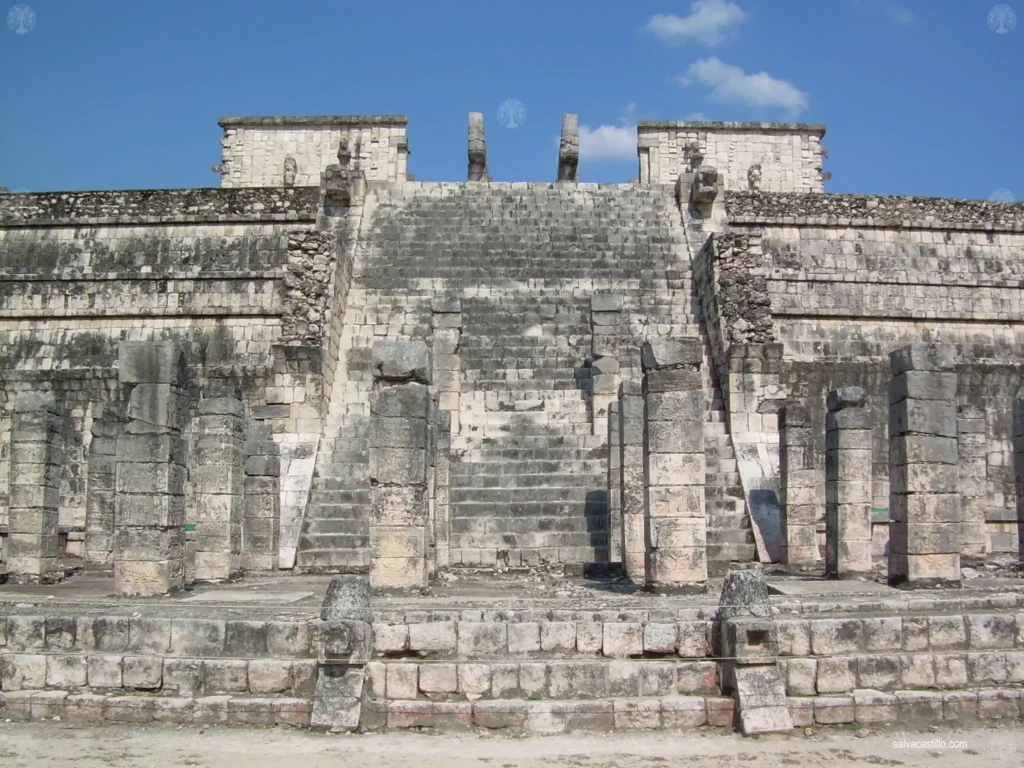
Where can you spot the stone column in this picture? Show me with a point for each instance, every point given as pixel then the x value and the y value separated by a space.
pixel 149 513
pixel 35 467
pixel 924 499
pixel 1018 467
pixel 631 481
pixel 219 488
pixel 675 527
pixel 344 636
pixel 797 487
pixel 569 149
pixel 614 484
pixel 107 424
pixel 261 514
pixel 399 410
pixel 477 148
pixel 972 449
pixel 442 491
pixel 847 483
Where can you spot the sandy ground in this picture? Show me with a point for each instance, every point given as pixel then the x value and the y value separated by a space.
pixel 41 745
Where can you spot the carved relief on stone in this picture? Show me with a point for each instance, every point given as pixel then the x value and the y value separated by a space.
pixel 696 156
pixel 291 168
pixel 706 184
pixel 754 177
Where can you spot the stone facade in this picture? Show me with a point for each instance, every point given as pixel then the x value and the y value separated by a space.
pixel 535 301
pixel 787 156
pixel 256 150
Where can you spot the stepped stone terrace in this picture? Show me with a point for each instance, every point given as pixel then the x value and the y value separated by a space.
pixel 330 447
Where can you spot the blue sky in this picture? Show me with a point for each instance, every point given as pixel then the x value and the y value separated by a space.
pixel 921 97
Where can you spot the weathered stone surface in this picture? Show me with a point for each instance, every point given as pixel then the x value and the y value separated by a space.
pixel 348 597
pixel 402 361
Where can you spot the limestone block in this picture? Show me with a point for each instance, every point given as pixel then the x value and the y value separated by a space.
pixel 150 362
pixel 432 637
pixel 622 640
pixel 438 678
pixel 142 672
pixel 402 361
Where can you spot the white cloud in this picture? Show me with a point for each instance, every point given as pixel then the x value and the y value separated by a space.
pixel 696 116
pixel 711 22
pixel 608 142
pixel 731 84
pixel 899 14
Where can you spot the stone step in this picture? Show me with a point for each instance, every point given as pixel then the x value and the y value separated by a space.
pixel 727 506
pixel 731 513
pixel 342 497
pixel 720 466
pixel 337 511
pixel 332 560
pixel 514 482
pixel 726 536
pixel 732 552
pixel 334 541
pixel 316 528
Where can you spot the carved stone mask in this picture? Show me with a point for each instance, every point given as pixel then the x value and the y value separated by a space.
pixel 291 168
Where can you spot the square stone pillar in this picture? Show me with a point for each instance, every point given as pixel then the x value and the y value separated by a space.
pixel 35 468
pixel 219 488
pixel 797 487
pixel 1018 467
pixel 631 481
pixel 924 496
pixel 674 465
pixel 614 484
pixel 972 448
pixel 149 512
pixel 261 516
pixel 107 424
pixel 400 405
pixel 847 484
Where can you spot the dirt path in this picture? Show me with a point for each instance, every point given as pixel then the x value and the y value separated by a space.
pixel 42 745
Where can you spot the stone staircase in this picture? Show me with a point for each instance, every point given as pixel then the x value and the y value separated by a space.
pixel 528 481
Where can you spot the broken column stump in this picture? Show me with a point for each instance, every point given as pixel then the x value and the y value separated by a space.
pixel 399 437
pixel 749 650
pixel 675 527
pixel 35 468
pixel 149 513
pixel 847 484
pixel 219 488
pixel 261 518
pixel 631 481
pixel 924 499
pixel 345 640
pixel 798 485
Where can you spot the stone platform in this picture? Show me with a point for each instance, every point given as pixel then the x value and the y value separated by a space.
pixel 517 652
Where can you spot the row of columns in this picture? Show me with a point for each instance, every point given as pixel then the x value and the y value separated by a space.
pixel 139 468
pixel 932 522
pixel 656 473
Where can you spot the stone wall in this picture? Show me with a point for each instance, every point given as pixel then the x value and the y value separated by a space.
pixel 82 271
pixel 255 149
pixel 789 154
pixel 852 277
